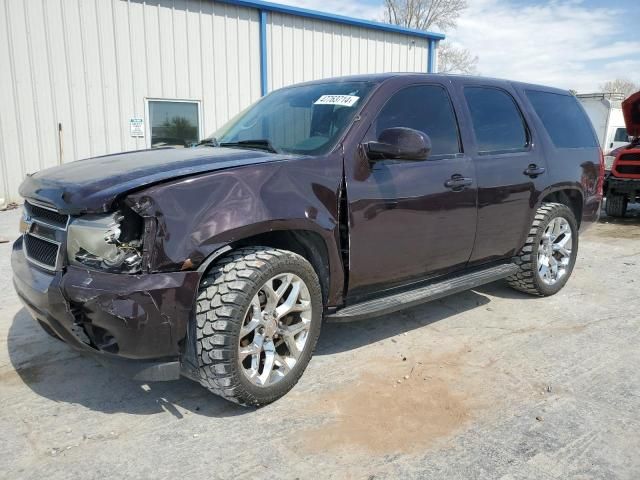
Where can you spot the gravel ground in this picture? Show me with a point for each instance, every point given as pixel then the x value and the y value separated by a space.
pixel 485 384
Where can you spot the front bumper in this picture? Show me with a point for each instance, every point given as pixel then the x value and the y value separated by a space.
pixel 623 186
pixel 138 322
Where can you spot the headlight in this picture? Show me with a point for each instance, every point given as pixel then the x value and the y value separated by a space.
pixel 608 162
pixel 111 242
pixel 24 221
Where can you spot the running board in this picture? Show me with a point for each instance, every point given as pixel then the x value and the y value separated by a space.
pixel 400 301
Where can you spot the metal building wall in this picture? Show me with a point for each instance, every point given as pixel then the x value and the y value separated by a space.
pixel 301 49
pixel 74 72
pixel 89 65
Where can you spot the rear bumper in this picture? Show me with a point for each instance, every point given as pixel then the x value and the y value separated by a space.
pixel 138 323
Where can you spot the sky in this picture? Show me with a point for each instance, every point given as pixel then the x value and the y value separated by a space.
pixel 572 44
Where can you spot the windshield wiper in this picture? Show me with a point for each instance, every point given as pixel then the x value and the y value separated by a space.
pixel 259 143
pixel 210 142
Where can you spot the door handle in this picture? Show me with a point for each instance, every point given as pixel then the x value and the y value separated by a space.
pixel 534 170
pixel 457 182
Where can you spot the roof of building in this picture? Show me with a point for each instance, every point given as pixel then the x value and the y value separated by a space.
pixel 330 17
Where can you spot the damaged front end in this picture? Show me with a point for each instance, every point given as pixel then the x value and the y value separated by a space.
pixel 109 242
pixel 86 280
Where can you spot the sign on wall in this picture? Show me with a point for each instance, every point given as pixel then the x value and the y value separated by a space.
pixel 136 127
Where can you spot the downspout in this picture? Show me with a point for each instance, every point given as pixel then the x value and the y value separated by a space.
pixel 264 83
pixel 432 56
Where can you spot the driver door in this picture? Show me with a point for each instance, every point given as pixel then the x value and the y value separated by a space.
pixel 410 220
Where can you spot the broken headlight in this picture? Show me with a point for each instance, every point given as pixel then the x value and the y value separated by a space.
pixel 110 242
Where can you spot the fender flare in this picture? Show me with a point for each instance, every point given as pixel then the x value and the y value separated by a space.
pixel 327 264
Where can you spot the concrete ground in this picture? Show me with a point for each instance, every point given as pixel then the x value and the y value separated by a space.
pixel 484 384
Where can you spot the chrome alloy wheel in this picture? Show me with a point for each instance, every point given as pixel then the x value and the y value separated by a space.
pixel 275 329
pixel 554 251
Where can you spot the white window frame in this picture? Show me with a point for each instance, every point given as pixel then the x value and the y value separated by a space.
pixel 147 115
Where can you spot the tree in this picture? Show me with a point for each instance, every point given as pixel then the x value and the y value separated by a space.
pixel 442 14
pixel 180 127
pixel 456 60
pixel 620 85
pixel 424 14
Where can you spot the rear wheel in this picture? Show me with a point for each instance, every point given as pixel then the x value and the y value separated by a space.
pixel 258 319
pixel 616 205
pixel 549 254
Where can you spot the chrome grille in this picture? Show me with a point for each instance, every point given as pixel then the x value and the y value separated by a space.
pixel 41 251
pixel 44 235
pixel 46 215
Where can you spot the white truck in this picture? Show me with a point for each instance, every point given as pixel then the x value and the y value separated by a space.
pixel 605 112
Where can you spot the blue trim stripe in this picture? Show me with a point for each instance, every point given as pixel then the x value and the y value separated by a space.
pixel 329 17
pixel 264 68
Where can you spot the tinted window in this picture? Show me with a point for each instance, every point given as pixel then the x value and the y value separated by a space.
pixel 426 108
pixel 173 123
pixel 562 117
pixel 621 135
pixel 497 121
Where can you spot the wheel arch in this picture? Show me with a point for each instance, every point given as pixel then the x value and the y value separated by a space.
pixel 570 196
pixel 567 194
pixel 307 243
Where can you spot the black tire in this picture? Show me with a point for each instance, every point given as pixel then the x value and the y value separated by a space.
pixel 527 279
pixel 223 301
pixel 616 205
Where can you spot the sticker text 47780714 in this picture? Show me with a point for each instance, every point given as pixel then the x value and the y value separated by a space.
pixel 343 100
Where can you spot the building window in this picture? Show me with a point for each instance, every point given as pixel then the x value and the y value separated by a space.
pixel 173 123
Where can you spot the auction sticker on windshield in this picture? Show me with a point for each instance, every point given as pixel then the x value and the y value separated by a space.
pixel 343 100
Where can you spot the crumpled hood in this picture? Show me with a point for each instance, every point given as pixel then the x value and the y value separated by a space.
pixel 631 111
pixel 93 184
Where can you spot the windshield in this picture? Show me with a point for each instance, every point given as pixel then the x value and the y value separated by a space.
pixel 306 119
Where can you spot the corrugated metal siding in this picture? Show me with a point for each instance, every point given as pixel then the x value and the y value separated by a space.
pixel 90 64
pixel 302 49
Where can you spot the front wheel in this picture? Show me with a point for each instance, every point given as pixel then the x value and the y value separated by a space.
pixel 549 254
pixel 258 319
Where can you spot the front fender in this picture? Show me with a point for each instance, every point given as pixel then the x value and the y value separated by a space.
pixel 197 216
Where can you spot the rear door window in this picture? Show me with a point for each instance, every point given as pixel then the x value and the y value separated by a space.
pixel 426 108
pixel 497 122
pixel 563 119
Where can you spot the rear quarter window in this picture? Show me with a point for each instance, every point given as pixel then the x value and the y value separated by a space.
pixel 563 119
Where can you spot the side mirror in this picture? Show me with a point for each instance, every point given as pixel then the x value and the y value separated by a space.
pixel 399 143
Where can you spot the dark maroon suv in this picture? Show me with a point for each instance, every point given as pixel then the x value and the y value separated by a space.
pixel 336 199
